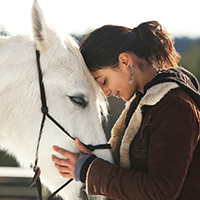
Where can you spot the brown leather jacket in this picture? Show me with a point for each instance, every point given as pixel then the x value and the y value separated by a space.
pixel 158 153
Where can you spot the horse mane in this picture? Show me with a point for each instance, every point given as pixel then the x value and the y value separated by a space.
pixel 6 40
pixel 101 99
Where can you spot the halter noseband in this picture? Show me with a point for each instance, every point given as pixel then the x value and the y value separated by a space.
pixel 45 111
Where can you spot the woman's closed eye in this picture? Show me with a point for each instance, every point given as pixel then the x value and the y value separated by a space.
pixel 104 82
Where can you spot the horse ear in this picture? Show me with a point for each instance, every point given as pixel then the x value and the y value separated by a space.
pixel 43 32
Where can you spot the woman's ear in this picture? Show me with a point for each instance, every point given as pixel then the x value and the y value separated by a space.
pixel 125 59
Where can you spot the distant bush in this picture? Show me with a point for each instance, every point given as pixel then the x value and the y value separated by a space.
pixel 7 160
pixel 190 52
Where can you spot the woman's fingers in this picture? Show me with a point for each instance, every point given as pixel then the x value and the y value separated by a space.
pixel 65 153
pixel 70 155
pixel 66 166
pixel 81 147
pixel 66 175
pixel 61 162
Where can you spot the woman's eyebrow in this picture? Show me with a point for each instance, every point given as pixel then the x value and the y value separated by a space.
pixel 97 77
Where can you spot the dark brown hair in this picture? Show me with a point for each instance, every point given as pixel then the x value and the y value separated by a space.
pixel 148 41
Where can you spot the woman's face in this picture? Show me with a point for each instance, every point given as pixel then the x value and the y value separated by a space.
pixel 115 81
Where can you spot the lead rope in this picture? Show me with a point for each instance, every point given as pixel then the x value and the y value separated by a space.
pixel 44 110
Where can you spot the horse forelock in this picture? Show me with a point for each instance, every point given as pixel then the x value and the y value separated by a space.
pixel 100 97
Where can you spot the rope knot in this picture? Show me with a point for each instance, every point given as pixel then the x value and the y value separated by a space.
pixel 44 110
pixel 100 146
pixel 36 175
pixel 90 147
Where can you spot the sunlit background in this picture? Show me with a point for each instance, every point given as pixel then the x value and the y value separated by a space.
pixel 181 18
pixel 79 17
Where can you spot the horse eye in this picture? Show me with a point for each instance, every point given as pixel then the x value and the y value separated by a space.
pixel 80 101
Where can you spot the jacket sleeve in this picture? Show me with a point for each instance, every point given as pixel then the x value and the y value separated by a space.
pixel 174 136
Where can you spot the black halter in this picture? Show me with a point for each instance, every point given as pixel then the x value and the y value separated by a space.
pixel 44 110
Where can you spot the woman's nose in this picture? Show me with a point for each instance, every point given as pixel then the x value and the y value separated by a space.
pixel 106 91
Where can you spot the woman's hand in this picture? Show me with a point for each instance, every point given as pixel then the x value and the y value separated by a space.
pixel 66 166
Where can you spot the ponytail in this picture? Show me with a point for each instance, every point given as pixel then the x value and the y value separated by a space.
pixel 158 45
pixel 149 41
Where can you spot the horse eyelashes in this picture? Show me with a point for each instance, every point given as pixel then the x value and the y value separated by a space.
pixel 79 101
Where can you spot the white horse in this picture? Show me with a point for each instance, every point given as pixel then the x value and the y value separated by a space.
pixel 73 97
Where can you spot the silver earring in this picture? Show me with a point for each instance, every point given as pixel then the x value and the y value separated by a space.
pixel 131 78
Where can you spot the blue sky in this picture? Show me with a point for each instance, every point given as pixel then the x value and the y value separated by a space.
pixel 181 18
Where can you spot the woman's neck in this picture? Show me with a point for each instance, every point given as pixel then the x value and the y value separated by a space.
pixel 146 76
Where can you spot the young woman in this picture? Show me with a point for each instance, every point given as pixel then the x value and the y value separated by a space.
pixel 155 142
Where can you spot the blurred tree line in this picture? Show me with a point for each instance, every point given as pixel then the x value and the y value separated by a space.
pixel 190 52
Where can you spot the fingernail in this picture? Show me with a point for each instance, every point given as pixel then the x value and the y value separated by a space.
pixel 54 147
pixel 77 140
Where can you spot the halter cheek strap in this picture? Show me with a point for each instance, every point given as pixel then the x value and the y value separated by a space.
pixel 45 111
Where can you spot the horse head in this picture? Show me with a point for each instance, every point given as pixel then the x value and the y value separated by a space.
pixel 73 97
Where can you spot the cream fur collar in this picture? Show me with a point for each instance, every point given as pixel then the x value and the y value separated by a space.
pixel 152 97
